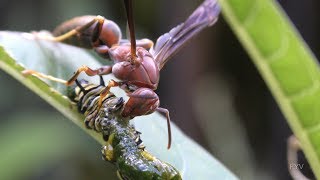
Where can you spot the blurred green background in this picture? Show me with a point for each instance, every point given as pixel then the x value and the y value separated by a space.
pixel 212 89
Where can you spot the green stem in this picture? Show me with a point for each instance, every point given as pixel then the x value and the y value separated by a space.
pixel 285 63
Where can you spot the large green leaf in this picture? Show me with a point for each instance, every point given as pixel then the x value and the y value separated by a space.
pixel 286 64
pixel 23 50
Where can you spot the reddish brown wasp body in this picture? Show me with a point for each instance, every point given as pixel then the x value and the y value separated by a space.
pixel 95 31
pixel 135 65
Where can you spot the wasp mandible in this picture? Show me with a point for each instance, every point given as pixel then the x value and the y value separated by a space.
pixel 136 63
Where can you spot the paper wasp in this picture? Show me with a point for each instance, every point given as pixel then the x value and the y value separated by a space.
pixel 137 64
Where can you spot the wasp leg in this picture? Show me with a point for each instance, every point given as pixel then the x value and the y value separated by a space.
pixel 292 154
pixel 166 112
pixel 103 51
pixel 78 30
pixel 106 91
pixel 104 70
pixel 145 43
pixel 28 72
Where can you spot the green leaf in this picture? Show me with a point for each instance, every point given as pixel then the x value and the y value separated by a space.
pixel 23 50
pixel 286 64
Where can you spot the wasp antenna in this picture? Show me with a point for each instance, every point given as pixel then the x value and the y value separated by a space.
pixel 129 8
pixel 165 111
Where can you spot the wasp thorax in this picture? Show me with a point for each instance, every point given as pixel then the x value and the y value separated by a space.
pixel 120 53
pixel 143 73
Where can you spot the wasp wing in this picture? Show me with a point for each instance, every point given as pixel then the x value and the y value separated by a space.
pixel 169 43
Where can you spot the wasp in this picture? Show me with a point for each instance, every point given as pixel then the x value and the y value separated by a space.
pixel 136 64
pixel 124 147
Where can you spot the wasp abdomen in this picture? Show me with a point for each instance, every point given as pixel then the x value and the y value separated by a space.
pixel 104 32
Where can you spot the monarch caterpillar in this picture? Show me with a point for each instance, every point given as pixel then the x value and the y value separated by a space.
pixel 124 148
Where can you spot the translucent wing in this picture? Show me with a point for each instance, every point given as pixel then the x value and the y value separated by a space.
pixel 169 43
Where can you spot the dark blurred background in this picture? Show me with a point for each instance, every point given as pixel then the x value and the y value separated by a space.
pixel 211 87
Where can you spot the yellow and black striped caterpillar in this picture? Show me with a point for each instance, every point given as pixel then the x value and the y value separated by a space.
pixel 123 148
